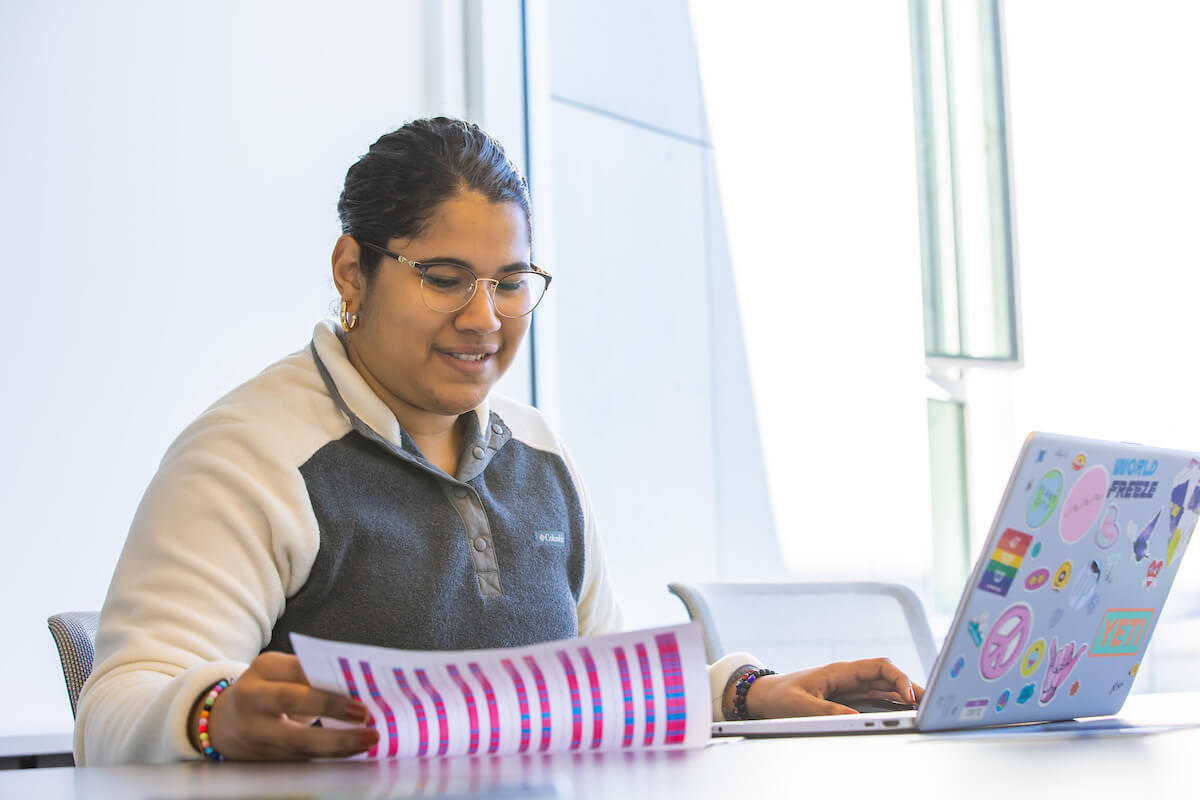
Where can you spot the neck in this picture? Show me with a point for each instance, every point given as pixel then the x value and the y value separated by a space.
pixel 439 436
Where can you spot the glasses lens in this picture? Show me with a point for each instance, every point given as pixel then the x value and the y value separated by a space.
pixel 447 287
pixel 518 293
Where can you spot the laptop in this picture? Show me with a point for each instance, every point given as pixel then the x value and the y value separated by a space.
pixel 1065 595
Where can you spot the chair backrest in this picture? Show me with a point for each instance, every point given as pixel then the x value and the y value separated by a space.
pixel 796 625
pixel 75 634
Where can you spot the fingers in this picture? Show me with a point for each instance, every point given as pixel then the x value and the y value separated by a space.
pixel 876 673
pixel 275 684
pixel 264 715
pixel 293 741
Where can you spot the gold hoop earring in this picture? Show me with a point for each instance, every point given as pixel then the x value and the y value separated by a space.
pixel 349 321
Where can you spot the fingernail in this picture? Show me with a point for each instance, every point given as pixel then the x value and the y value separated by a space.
pixel 368 738
pixel 912 695
pixel 356 711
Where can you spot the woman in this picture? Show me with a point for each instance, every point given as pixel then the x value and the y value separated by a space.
pixel 370 488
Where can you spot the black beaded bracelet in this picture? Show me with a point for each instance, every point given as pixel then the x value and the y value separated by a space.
pixel 743 686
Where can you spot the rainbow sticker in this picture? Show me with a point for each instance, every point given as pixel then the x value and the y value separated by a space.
pixel 1006 560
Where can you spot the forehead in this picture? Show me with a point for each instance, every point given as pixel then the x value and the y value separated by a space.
pixel 473 228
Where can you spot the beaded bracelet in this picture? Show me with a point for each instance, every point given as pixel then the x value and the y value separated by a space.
pixel 210 752
pixel 743 686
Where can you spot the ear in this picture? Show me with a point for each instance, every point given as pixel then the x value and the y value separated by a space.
pixel 347 272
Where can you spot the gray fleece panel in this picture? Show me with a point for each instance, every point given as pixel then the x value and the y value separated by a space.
pixel 412 558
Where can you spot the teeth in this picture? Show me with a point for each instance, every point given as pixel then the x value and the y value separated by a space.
pixel 467 357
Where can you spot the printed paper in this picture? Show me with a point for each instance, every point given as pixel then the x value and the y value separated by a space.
pixel 636 690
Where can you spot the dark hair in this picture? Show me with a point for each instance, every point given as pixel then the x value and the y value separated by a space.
pixel 393 190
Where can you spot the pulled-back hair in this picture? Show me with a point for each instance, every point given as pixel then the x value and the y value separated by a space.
pixel 393 190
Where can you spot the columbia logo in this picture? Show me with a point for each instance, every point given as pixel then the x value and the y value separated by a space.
pixel 551 537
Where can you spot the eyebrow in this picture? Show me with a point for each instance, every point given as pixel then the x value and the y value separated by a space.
pixel 513 267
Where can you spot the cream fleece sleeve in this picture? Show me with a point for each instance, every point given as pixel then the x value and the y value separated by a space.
pixel 223 535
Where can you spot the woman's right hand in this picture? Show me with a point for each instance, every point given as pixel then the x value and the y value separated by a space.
pixel 267 713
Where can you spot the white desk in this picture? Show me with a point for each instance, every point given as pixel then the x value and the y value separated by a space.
pixel 1158 760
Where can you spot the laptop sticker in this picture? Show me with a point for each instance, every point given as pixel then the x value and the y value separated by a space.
pixel 1037 548
pixel 1110 528
pixel 1084 586
pixel 1110 564
pixel 1122 632
pixel 956 668
pixel 1061 662
pixel 1005 641
pixel 1002 700
pixel 974 709
pixel 1074 688
pixel 1152 571
pixel 1033 658
pixel 1141 541
pixel 1037 579
pixel 1079 462
pixel 1045 499
pixel 1061 576
pixel 1026 693
pixel 1184 508
pixel 1005 561
pixel 1083 504
pixel 977 627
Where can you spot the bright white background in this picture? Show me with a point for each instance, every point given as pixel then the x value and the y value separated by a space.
pixel 810 105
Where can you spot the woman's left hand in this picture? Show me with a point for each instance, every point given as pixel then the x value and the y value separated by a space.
pixel 824 690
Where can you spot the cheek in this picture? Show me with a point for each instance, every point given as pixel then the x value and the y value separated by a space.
pixel 514 335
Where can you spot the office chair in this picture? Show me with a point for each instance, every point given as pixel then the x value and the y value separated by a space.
pixel 791 626
pixel 75 634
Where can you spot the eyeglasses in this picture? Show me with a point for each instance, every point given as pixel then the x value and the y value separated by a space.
pixel 447 287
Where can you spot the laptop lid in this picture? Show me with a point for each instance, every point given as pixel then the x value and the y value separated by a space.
pixel 1065 594
pixel 1069 584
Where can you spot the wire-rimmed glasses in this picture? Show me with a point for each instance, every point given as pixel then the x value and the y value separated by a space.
pixel 447 287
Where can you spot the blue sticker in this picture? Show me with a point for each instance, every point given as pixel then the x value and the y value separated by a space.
pixel 1026 692
pixel 1002 701
pixel 957 667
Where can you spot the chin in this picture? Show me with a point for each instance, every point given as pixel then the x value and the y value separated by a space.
pixel 457 403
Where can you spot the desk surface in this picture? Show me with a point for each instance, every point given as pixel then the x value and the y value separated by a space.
pixel 1155 759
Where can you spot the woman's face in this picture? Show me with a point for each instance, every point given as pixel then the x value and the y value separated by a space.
pixel 418 360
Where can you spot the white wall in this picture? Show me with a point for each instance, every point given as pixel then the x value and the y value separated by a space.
pixel 811 110
pixel 170 173
pixel 641 359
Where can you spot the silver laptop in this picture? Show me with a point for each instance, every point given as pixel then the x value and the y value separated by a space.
pixel 1067 590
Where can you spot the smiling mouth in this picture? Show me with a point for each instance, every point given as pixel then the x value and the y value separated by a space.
pixel 468 356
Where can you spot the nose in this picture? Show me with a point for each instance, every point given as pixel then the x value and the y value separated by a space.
pixel 479 315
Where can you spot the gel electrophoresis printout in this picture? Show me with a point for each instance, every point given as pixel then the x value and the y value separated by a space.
pixel 636 690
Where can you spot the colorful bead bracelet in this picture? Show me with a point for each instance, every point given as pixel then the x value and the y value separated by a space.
pixel 210 752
